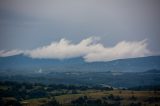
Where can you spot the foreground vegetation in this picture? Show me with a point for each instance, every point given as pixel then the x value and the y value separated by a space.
pixel 27 94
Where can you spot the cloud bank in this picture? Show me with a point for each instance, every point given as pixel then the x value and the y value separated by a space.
pixel 4 53
pixel 90 49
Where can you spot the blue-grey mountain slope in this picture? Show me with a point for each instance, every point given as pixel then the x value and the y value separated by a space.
pixel 21 63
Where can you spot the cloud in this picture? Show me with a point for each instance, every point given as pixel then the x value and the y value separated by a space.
pixel 122 50
pixel 4 53
pixel 65 49
pixel 90 49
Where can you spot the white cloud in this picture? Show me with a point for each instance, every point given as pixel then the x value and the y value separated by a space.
pixel 4 53
pixel 65 49
pixel 122 50
pixel 91 50
pixel 88 48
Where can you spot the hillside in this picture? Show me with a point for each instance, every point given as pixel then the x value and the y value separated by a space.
pixel 21 62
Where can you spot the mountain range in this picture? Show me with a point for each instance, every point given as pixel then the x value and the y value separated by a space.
pixel 22 62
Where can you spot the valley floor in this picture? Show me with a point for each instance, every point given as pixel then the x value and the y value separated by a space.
pixel 36 94
pixel 101 98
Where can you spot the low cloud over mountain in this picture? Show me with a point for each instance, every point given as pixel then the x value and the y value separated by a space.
pixel 90 49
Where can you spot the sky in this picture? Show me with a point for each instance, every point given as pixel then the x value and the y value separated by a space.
pixel 97 30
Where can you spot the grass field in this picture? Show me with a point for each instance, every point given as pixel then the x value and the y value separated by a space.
pixel 126 95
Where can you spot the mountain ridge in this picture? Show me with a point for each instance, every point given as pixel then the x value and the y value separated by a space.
pixel 20 62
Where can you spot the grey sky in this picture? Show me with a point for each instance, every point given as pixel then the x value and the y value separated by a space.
pixel 28 24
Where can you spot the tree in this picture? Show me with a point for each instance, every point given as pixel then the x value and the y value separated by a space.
pixel 52 102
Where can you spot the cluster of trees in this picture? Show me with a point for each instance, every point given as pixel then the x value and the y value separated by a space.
pixel 52 102
pixel 135 104
pixel 85 101
pixel 9 102
pixel 112 97
pixel 152 100
pixel 146 88
pixel 23 91
pixel 109 100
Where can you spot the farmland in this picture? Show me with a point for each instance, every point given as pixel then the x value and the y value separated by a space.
pixel 69 95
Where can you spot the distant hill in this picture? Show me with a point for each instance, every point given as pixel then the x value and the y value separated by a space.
pixel 153 71
pixel 22 62
pixel 144 71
